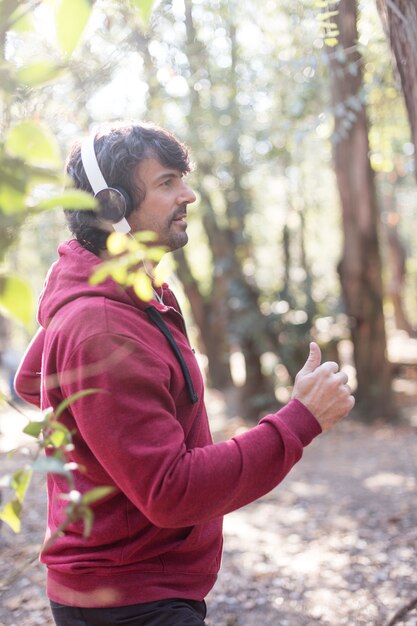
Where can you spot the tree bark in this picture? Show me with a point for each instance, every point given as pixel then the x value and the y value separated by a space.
pixel 360 267
pixel 230 315
pixel 400 21
pixel 397 256
pixel 211 322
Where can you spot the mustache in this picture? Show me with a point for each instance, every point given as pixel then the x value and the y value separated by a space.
pixel 179 212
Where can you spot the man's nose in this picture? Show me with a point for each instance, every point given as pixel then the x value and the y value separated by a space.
pixel 187 194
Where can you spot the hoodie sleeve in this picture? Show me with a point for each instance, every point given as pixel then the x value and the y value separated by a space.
pixel 27 381
pixel 132 430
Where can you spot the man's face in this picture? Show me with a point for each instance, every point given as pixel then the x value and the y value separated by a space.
pixel 164 208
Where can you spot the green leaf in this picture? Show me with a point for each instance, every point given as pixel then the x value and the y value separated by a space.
pixel 20 21
pixel 71 199
pixel 50 465
pixel 54 425
pixel 144 8
pixel 10 514
pixel 119 274
pixel 155 254
pixel 16 300
pixel 80 394
pixel 327 14
pixel 143 286
pixel 20 482
pixel 58 435
pixel 88 519
pixel 99 275
pixel 98 493
pixel 117 243
pixel 57 439
pixel 11 200
pixel 8 77
pixel 332 26
pixel 145 236
pixel 71 17
pixel 33 143
pixel 38 73
pixel 34 429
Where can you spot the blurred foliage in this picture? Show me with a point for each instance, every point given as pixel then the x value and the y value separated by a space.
pixel 31 181
pixel 259 120
pixel 31 177
pixel 326 17
pixel 131 262
pixel 246 86
pixel 55 438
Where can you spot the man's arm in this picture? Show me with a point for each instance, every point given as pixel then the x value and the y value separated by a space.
pixel 27 381
pixel 323 389
pixel 133 432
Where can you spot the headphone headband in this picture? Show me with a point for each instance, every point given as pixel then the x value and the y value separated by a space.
pixel 91 167
pixel 97 181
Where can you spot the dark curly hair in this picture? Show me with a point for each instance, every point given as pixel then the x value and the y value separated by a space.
pixel 119 149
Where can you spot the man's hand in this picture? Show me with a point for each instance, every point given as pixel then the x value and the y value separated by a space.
pixel 323 389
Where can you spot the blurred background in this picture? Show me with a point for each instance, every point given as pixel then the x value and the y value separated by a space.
pixel 296 117
pixel 301 118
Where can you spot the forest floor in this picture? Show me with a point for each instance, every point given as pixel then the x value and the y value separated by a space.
pixel 334 544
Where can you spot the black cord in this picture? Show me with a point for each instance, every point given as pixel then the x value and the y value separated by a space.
pixel 157 319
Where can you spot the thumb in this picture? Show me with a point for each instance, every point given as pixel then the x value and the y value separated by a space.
pixel 313 359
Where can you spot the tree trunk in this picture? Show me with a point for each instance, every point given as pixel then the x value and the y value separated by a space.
pixel 400 21
pixel 360 267
pixel 211 319
pixel 397 257
pixel 230 314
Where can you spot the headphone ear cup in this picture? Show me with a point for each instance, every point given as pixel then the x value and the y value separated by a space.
pixel 128 200
pixel 114 204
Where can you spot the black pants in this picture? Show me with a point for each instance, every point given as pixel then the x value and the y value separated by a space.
pixel 162 613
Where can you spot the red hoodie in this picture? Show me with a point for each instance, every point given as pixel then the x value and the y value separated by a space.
pixel 158 535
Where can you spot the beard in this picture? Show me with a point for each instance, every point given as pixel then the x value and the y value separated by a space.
pixel 176 229
pixel 177 239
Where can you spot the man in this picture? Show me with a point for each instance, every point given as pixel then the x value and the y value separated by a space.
pixel 155 547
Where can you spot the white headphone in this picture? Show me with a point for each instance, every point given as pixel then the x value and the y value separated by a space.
pixel 114 201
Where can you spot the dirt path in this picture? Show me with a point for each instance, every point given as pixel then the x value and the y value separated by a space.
pixel 334 544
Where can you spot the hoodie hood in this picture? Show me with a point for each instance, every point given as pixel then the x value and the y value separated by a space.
pixel 68 279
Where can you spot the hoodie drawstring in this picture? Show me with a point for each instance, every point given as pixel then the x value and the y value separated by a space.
pixel 157 319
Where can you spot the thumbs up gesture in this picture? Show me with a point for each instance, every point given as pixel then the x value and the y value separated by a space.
pixel 323 389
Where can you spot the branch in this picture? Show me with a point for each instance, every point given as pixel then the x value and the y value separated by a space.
pixel 57 533
pixel 17 572
pixel 191 288
pixel 402 611
pixel 396 10
pixel 14 406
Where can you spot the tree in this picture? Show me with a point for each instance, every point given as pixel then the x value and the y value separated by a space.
pixel 227 308
pixel 257 121
pixel 400 20
pixel 360 267
pixel 242 125
pixel 232 309
pixel 30 173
